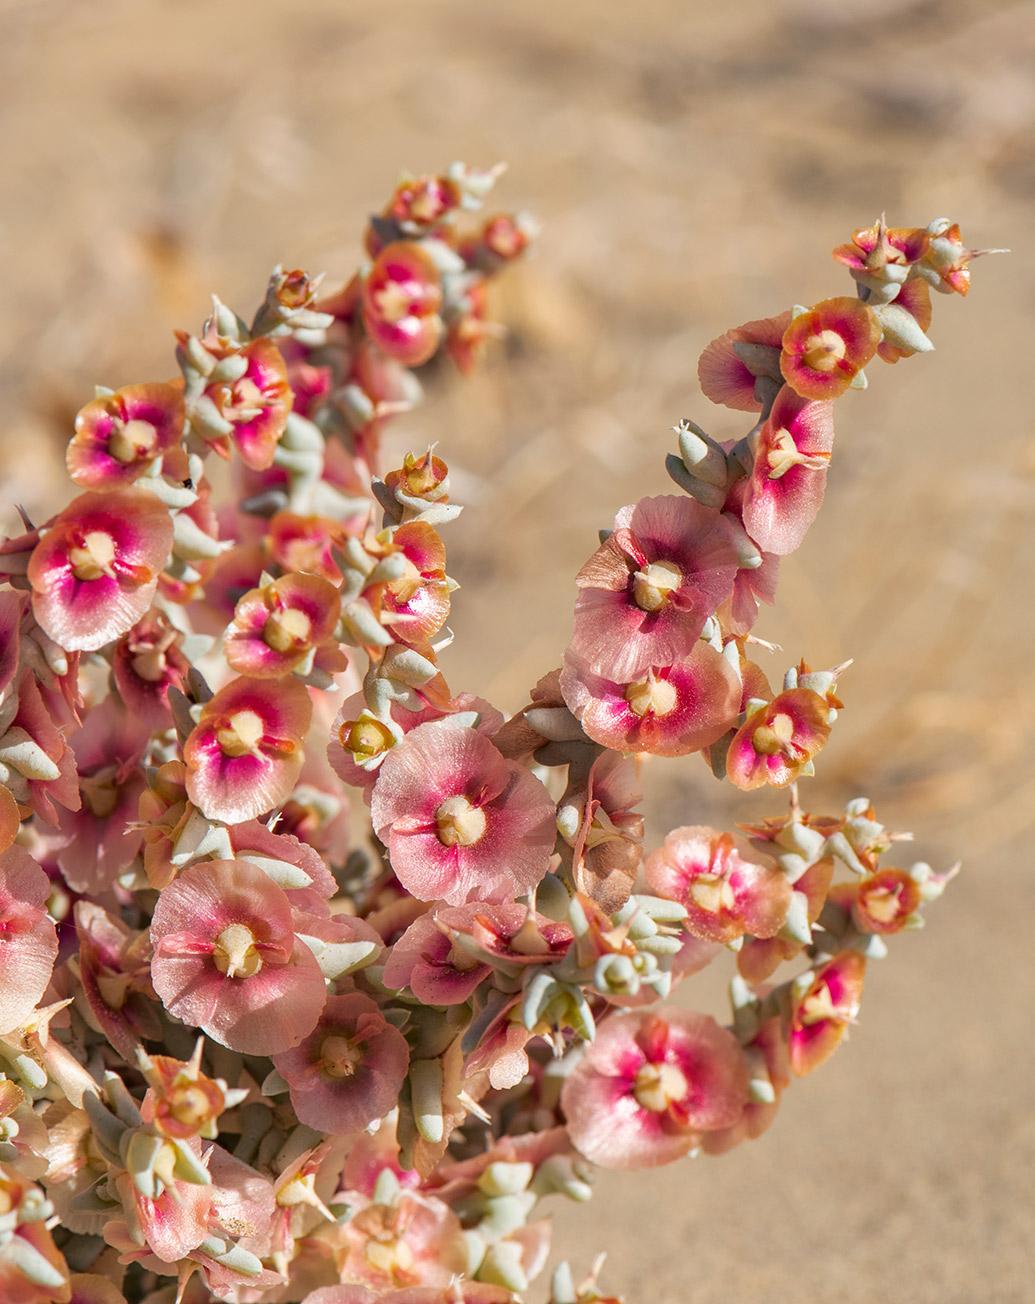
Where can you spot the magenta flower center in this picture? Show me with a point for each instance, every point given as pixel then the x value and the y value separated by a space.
pixel 284 630
pixel 774 738
pixel 458 823
pixel 93 557
pixel 241 734
pixel 235 953
pixel 824 350
pixel 130 441
pixel 657 1086
pixel 651 587
pixel 651 694
pixel 339 1057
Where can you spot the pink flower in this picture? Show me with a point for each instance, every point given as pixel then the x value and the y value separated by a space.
pixel 777 742
pixel 650 1084
pixel 28 938
pixel 227 960
pixel 435 967
pixel 348 1071
pixel 40 764
pixel 278 625
pixel 255 405
pixel 459 821
pixel 789 476
pixel 724 377
pixel 401 298
pixel 416 605
pixel 606 842
pixel 883 902
pixel 827 346
pixel 96 568
pixel 147 662
pixel 98 840
pixel 360 741
pixel 645 594
pixel 118 436
pixel 727 888
pixel 823 1010
pixel 737 615
pixel 245 754
pixel 666 710
pixel 115 976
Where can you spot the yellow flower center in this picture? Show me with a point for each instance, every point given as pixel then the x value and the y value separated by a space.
pixel 365 738
pixel 131 441
pixel 285 629
pixel 191 1105
pixel 651 587
pixel 241 734
pixel 234 952
pixel 392 302
pixel 712 892
pixel 773 739
pixel 93 557
pixel 651 694
pixel 824 350
pixel 339 1058
pixel 458 823
pixel 656 1086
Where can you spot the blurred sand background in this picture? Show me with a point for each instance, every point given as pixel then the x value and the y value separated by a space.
pixel 692 164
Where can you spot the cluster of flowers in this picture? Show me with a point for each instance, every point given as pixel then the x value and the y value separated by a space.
pixel 241 1057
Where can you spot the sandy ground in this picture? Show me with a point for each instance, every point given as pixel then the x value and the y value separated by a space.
pixel 692 164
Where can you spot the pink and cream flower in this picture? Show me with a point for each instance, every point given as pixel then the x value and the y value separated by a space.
pixel 99 838
pixel 604 832
pixel 114 971
pixel 360 741
pixel 402 295
pixel 280 624
pixel 445 954
pixel 416 604
pixel 650 1085
pixel 458 820
pixel 826 347
pixel 777 742
pixel 347 1073
pixel 727 888
pixel 256 404
pixel 429 960
pixel 646 593
pixel 147 662
pixel 95 570
pixel 883 902
pixel 823 1009
pixel 789 476
pixel 226 959
pixel 724 375
pixel 245 754
pixel 665 710
pixel 28 938
pixel 118 436
pixel 873 248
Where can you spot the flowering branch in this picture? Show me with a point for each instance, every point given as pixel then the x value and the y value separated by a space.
pixel 252 1056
